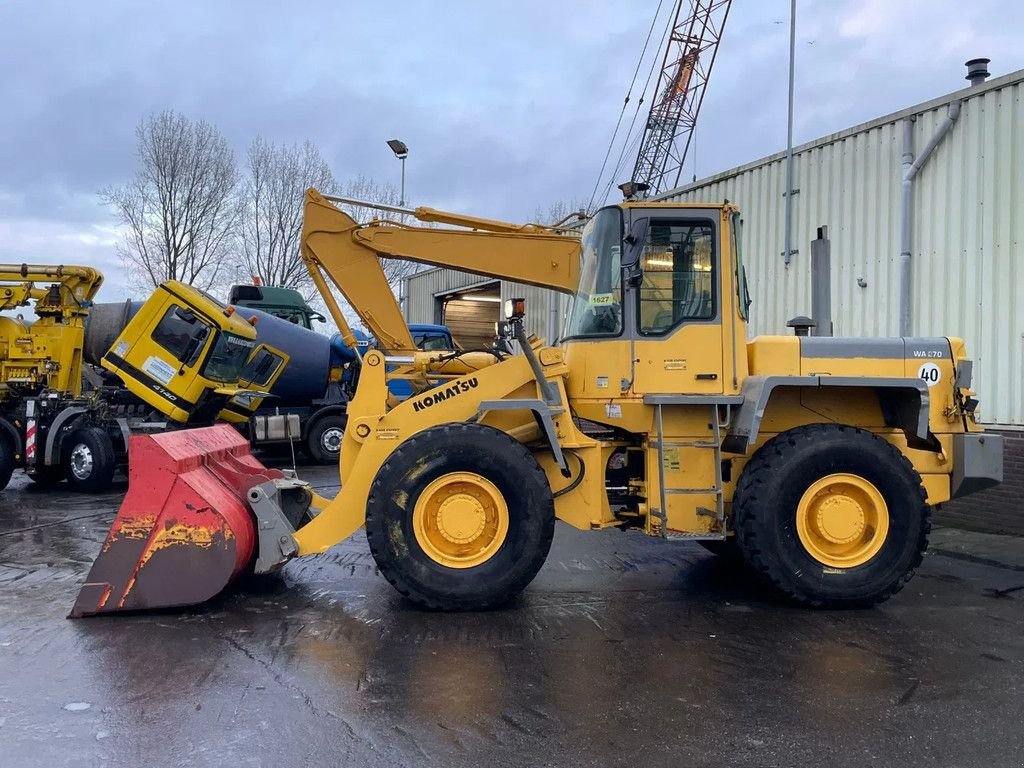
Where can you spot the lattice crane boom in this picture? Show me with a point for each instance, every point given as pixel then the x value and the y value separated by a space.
pixel 689 58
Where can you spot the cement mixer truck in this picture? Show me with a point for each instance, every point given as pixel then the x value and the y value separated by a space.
pixel 308 375
pixel 178 359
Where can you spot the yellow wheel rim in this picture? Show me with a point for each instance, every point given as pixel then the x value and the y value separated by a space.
pixel 842 520
pixel 460 520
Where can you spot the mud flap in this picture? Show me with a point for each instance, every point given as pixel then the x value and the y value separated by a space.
pixel 184 530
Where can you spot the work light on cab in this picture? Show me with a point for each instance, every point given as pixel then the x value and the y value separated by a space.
pixel 515 309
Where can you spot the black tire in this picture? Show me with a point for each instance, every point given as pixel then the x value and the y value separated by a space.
pixel 47 477
pixel 6 461
pixel 323 441
pixel 765 512
pixel 460 448
pixel 727 549
pixel 88 459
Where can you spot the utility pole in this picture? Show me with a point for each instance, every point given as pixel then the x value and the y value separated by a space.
pixel 788 252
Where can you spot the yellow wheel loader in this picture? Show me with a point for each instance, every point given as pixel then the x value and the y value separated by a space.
pixel 819 459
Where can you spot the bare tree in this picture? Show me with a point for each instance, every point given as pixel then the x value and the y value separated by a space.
pixel 178 210
pixel 364 188
pixel 271 210
pixel 558 210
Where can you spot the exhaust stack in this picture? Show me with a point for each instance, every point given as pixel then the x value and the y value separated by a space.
pixel 977 71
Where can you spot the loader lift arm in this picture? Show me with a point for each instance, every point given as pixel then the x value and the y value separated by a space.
pixel 336 247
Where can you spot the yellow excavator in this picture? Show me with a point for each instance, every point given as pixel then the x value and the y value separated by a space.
pixel 817 459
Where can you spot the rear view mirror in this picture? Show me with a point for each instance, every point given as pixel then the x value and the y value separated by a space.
pixel 634 242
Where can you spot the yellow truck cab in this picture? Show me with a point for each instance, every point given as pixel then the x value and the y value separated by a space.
pixel 176 350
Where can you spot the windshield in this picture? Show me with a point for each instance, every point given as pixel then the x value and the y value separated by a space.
pixel 432 341
pixel 597 306
pixel 228 356
pixel 291 314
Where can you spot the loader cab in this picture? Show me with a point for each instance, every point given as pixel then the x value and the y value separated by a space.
pixel 661 307
pixel 182 353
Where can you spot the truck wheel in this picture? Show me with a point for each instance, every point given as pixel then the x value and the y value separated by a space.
pixel 460 517
pixel 6 462
pixel 323 442
pixel 832 516
pixel 47 477
pixel 89 460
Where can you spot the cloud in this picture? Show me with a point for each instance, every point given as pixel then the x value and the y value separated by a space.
pixel 506 107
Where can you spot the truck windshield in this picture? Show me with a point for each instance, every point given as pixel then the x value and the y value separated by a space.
pixel 432 341
pixel 597 306
pixel 227 358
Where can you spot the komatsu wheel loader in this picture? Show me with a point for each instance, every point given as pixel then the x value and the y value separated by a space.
pixel 819 459
pixel 177 361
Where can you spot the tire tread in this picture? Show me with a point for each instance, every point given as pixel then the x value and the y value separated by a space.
pixel 769 459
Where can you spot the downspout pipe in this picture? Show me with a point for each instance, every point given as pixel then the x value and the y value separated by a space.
pixel 911 168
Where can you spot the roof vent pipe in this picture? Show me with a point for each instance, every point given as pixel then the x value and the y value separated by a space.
pixel 977 71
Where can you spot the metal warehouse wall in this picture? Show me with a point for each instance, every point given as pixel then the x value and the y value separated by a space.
pixel 968 234
pixel 421 288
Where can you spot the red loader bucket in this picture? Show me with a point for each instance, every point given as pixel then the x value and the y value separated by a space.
pixel 184 531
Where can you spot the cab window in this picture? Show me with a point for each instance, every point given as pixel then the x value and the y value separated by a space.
pixel 181 333
pixel 678 263
pixel 261 368
pixel 742 289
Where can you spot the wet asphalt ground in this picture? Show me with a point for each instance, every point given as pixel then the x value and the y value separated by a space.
pixel 625 651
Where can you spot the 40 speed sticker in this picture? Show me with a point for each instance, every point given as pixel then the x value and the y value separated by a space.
pixel 929 373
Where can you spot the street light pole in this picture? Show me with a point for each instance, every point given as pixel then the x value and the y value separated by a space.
pixel 401 197
pixel 401 152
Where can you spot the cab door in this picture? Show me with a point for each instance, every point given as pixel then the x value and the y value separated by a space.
pixel 677 317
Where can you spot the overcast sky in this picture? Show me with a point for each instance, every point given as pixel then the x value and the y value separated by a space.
pixel 505 106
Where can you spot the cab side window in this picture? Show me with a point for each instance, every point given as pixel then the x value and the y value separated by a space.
pixel 678 263
pixel 181 333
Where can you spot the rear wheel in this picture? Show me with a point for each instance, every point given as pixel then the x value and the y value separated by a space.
pixel 460 517
pixel 323 442
pixel 727 549
pixel 6 461
pixel 89 460
pixel 832 516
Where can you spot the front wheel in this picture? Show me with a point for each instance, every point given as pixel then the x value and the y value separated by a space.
pixel 832 516
pixel 89 460
pixel 460 517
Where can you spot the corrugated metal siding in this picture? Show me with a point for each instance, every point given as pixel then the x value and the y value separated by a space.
pixel 422 288
pixel 968 237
